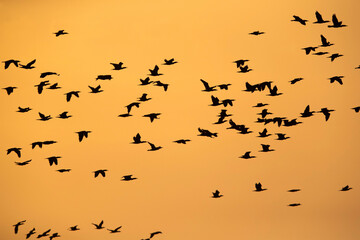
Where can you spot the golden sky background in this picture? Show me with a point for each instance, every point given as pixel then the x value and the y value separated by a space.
pixel 173 191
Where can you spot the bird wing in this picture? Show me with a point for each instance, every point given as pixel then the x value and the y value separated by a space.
pixel 31 63
pixel 102 174
pixel 318 16
pixel 206 85
pixel 81 136
pixel 68 97
pixel 323 40
pixel 335 20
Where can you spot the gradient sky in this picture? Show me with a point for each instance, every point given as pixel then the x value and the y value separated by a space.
pixel 173 191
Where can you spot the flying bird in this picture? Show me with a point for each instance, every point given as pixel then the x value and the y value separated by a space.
pixel 247 155
pixel 64 115
pixel 295 80
pixel 266 148
pixel 273 92
pixel 145 81
pixel 74 228
pixel 23 110
pixel 336 22
pixel 299 19
pixel 44 234
pixel 103 77
pixel 11 61
pixel 207 86
pixel 357 109
pixel 15 150
pixel 244 69
pixel 240 62
pixel 182 141
pixel 154 233
pixel 264 133
pixel 83 134
pixel 325 42
pixel 258 187
pixel 319 18
pixel 118 66
pixel 41 85
pixel 137 139
pixel 226 102
pixel 54 235
pixel 95 89
pixel 152 116
pixel 116 230
pixel 100 225
pixel 102 172
pixel 337 79
pixel 294 190
pixel 155 71
pixel 169 62
pixel 144 98
pixel 16 226
pixel 334 56
pixel 261 105
pixel 308 50
pixel 69 94
pixel 264 113
pixel 45 74
pixel 31 232
pixel 63 170
pixel 216 194
pixel 160 84
pixel 9 90
pixel 128 178
pixel 220 120
pixel 60 32
pixel 294 204
pixel 346 188
pixel 153 147
pixel 29 65
pixel 307 112
pixel 281 136
pixel 326 112
pixel 215 101
pixel 43 117
pixel 23 163
pixel 133 104
pixel 224 86
pixel 256 33
pixel 320 53
pixel 53 160
pixel 206 133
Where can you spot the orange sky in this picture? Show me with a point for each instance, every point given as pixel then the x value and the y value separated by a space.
pixel 173 191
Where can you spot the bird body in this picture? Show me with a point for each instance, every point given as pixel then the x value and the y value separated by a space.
pixel 153 147
pixel 82 134
pixel 118 66
pixel 102 172
pixel 299 19
pixel 206 133
pixel 155 71
pixel 15 150
pixel 152 116
pixel 336 22
pixel 69 94
pixel 60 32
pixel 29 65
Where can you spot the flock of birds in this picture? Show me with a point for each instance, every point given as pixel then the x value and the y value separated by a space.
pixel 223 116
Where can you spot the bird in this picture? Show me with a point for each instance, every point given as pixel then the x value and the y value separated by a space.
pixel 182 141
pixel 299 19
pixel 308 50
pixel 244 69
pixel 206 133
pixel 144 98
pixel 273 92
pixel 336 22
pixel 256 33
pixel 264 133
pixel 235 126
pixel 358 67
pixel 240 62
pixel 155 71
pixel 63 170
pixel 54 86
pixel 215 101
pixel 261 105
pixel 125 115
pixel 69 94
pixel 160 84
pixel 103 77
pixel 325 42
pixel 102 172
pixel 294 190
pixel 54 235
pixel 154 233
pixel 169 62
pixel 346 188
pixel 153 147
pixel 100 225
pixel 137 139
pixel 31 232
pixel 320 53
pixel 356 109
pixel 128 178
pixel 44 117
pixel 307 112
pixel 95 89
pixel 226 102
pixel 23 163
pixel 207 86
pixel 220 120
pixel 41 86
pixel 244 130
pixel 289 123
pixel 116 230
pixel 224 86
pixel 23 110
pixel 249 87
pixel 16 226
pixel 216 194
pixel 44 234
pixel 281 136
pixel 15 150
pixel 29 65
pixel 53 160
pixel 295 80
pixel 74 228
pixel 334 56
pixel 118 66
pixel 224 114
pixel 49 142
pixel 34 144
pixel 9 90
pixel 82 134
pixel 129 107
pixel 264 113
pixel 11 61
pixel 247 155
pixel 326 112
pixel 60 32
pixel 319 18
pixel 337 79
pixel 266 148
pixel 45 74
pixel 294 204
pixel 258 187
pixel 152 116
pixel 64 115
pixel 145 81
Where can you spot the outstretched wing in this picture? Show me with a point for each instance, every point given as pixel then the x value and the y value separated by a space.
pixel 335 20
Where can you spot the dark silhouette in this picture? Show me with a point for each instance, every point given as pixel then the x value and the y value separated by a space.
pixel 307 112
pixel 152 116
pixel 309 49
pixel 160 84
pixel 118 66
pixel 336 22
pixel 207 87
pixel 337 79
pixel 69 94
pixel 216 194
pixel 144 98
pixel 299 19
pixel 264 113
pixel 289 123
pixel 53 160
pixel 244 130
pixel 247 155
pixel 23 163
pixel 60 32
pixel 224 86
pixel 64 115
pixel 44 234
pixel 83 134
pixel 45 74
pixel 15 150
pixel 34 144
pixel 226 102
pixel 128 178
pixel 319 18
pixel 49 142
pixel 29 65
pixel 261 105
pixel 334 56
pixel 95 89
pixel 264 133
pixel 346 188
pixel 54 235
pixel 64 170
pixel 125 115
pixel 256 33
pixel 102 172
pixel 320 53
pixel 240 62
pixel 294 190
pixel 295 80
pixel 215 101
pixel 206 133
pixel 32 232
pixel 41 86
pixel 224 114
pixel 11 61
pixel 273 92
pixel 249 87
pixel 116 230
pixel 9 90
pixel 358 67
pixel 266 148
pixel 129 107
pixel 153 147
pixel 244 69
pixel 356 109
pixel 100 225
pixel 326 112
pixel 325 42
pixel 23 110
pixel 154 233
pixel 146 81
pixel 169 62
pixel 43 117
pixel 258 187
pixel 294 204
pixel 182 141
pixel 235 126
pixel 74 228
pixel 155 71
pixel 281 136
pixel 220 120
pixel 16 226
pixel 103 77
pixel 54 86
pixel 137 139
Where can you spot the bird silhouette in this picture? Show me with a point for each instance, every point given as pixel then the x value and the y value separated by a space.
pixel 226 102
pixel 358 67
pixel 224 114
pixel 15 150
pixel 118 66
pixel 266 148
pixel 326 112
pixel 346 188
pixel 258 187
pixel 247 155
pixel 41 86
pixel 64 170
pixel 336 22
pixel 294 190
pixel 102 172
pixel 307 112
pixel 153 147
pixel 23 110
pixel 294 204
pixel 206 133
pixel 49 142
pixel 289 123
pixel 281 136
pixel 125 115
pixel 29 65
pixel 334 56
pixel 16 226
pixel 144 98
pixel 128 178
pixel 356 109
pixel 154 233
pixel 207 86
pixel 320 53
pixel 11 61
pixel 82 134
pixel 137 139
pixel 235 126
pixel 299 19
pixel 273 92
pixel 133 104
pixel 308 50
pixel 44 234
pixel 34 144
pixel 9 90
pixel 160 84
pixel 69 94
pixel 240 62
pixel 319 18
pixel 23 163
pixel 220 120
pixel 182 141
pixel 31 232
pixel 43 117
pixel 216 194
pixel 264 113
pixel 45 74
pixel 261 105
pixel 224 86
pixel 145 81
pixel 244 69
pixel 169 62
pixel 249 87
pixel 155 71
pixel 244 130
pixel 54 235
pixel 256 33
pixel 295 80
pixel 103 77
pixel 95 89
pixel 215 101
pixel 152 116
pixel 60 32
pixel 53 160
pixel 54 86
pixel 116 230
pixel 64 115
pixel 264 133
pixel 100 225
pixel 325 42
pixel 337 79
pixel 74 228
